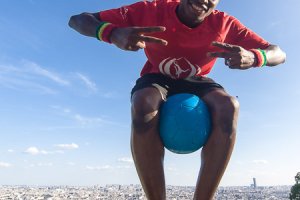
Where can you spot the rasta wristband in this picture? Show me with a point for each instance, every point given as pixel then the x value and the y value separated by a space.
pixel 264 55
pixel 104 30
pixel 260 55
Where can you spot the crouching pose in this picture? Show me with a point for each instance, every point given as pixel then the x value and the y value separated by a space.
pixel 182 40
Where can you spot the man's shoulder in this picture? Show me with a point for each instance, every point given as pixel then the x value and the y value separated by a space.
pixel 221 15
pixel 164 1
pixel 220 18
pixel 153 4
pixel 161 8
pixel 161 2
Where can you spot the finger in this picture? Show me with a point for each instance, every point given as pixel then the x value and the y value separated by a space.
pixel 133 48
pixel 220 54
pixel 245 65
pixel 227 62
pixel 153 40
pixel 226 46
pixel 236 67
pixel 141 45
pixel 236 64
pixel 151 29
pixel 233 64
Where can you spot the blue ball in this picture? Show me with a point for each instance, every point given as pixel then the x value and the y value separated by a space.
pixel 185 123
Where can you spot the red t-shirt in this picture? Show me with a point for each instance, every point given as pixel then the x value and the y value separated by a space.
pixel 186 52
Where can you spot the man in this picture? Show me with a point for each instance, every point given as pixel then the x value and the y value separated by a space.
pixel 181 40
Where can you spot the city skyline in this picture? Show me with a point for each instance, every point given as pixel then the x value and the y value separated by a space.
pixel 65 100
pixel 133 192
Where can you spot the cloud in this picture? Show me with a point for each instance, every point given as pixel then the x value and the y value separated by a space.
pixel 35 151
pixel 5 165
pixel 260 162
pixel 71 163
pixel 45 164
pixel 92 121
pixel 107 167
pixel 275 24
pixel 62 110
pixel 67 146
pixel 87 120
pixel 123 167
pixel 57 152
pixel 82 120
pixel 97 168
pixel 38 70
pixel 49 164
pixel 30 70
pixel 19 84
pixel 256 162
pixel 109 95
pixel 238 162
pixel 10 150
pixel 92 87
pixel 126 160
pixel 5 69
pixel 172 169
pixel 29 76
pixel 88 83
pixel 32 151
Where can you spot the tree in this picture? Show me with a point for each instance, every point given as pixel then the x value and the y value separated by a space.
pixel 295 190
pixel 297 178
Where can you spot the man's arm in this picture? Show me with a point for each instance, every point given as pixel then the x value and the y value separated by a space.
pixel 275 55
pixel 126 38
pixel 236 57
pixel 85 23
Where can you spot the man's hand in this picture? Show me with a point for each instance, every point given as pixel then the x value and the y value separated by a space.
pixel 236 57
pixel 133 38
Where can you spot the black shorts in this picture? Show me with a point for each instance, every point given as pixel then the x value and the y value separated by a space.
pixel 167 86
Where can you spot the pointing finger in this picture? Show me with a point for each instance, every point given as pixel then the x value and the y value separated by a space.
pixel 226 46
pixel 153 40
pixel 220 54
pixel 152 29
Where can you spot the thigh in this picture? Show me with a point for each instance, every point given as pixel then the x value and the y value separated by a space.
pixel 215 98
pixel 158 81
pixel 221 103
pixel 146 100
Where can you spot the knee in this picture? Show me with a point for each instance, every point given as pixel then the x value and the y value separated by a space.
pixel 230 106
pixel 227 114
pixel 145 109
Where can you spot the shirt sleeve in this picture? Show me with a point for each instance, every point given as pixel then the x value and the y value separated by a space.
pixel 239 34
pixel 131 15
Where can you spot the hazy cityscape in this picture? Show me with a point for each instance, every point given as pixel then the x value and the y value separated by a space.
pixel 135 192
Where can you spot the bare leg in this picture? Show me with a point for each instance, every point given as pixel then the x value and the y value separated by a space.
pixel 217 152
pixel 146 146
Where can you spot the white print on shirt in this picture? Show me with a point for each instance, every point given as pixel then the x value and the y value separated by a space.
pixel 178 68
pixel 123 12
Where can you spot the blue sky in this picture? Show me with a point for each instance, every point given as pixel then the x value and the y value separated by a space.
pixel 65 109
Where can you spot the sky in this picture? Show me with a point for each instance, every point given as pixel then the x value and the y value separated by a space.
pixel 65 100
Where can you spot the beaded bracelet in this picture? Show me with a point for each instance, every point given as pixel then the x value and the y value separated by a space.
pixel 260 55
pixel 104 30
